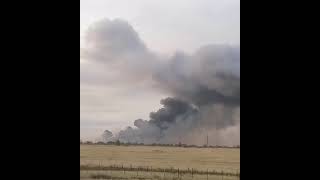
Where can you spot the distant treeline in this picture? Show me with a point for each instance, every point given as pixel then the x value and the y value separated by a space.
pixel 118 143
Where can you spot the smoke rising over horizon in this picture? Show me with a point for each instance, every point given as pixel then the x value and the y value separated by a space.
pixel 203 88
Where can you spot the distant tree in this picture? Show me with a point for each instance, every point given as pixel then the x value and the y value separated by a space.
pixel 88 142
pixel 106 135
pixel 118 143
pixel 100 143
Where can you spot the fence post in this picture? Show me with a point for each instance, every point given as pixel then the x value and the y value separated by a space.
pixel 192 172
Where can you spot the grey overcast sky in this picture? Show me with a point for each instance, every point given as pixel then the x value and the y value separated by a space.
pixel 165 26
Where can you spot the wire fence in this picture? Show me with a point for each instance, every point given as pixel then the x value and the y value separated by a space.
pixel 103 172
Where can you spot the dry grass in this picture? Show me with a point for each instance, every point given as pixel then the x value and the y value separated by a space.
pixel 202 159
pixel 148 169
pixel 92 175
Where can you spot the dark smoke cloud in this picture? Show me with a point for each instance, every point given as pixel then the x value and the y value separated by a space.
pixel 204 87
pixel 112 38
pixel 172 109
pixel 211 76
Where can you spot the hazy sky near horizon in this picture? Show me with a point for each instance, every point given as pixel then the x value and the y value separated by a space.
pixel 165 26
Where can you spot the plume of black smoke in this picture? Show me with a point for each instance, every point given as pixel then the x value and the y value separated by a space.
pixel 172 109
pixel 204 86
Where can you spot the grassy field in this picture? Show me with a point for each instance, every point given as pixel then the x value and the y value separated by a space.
pixel 141 159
